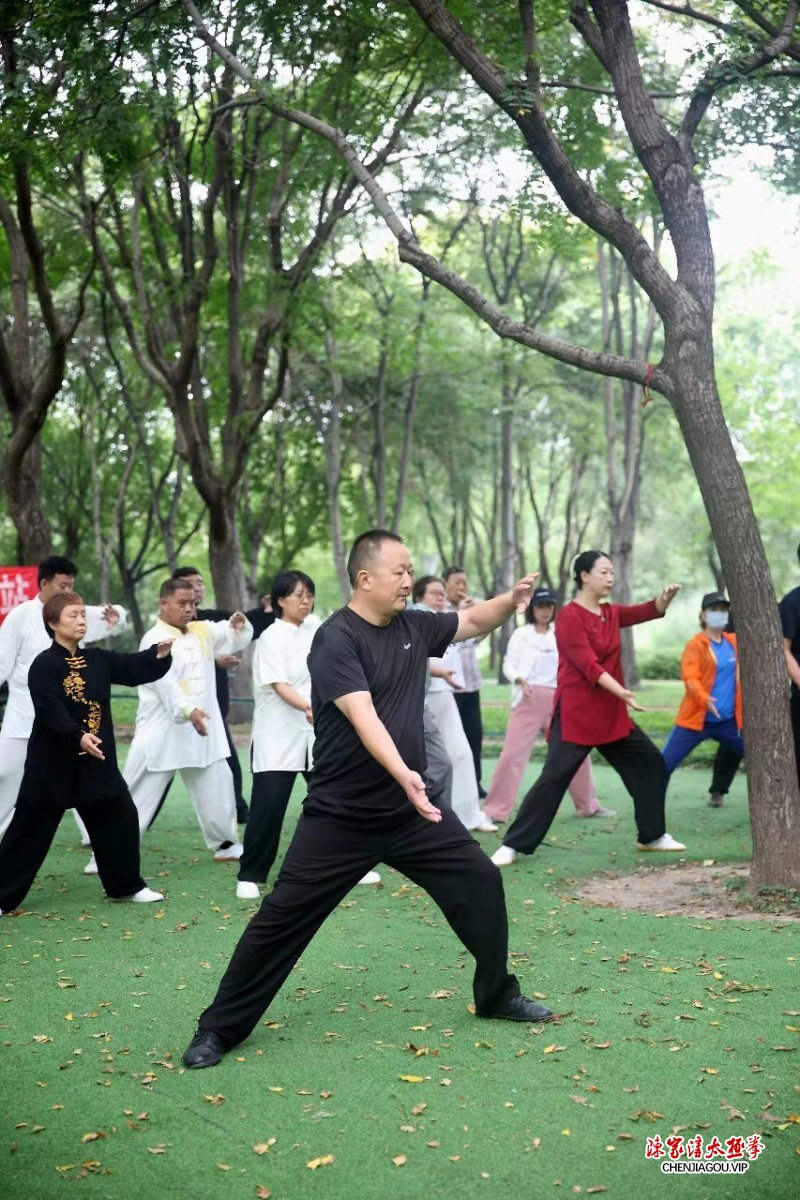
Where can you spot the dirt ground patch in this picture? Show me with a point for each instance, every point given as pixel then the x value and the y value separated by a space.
pixel 676 892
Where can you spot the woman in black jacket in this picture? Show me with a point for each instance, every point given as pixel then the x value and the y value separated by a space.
pixel 72 760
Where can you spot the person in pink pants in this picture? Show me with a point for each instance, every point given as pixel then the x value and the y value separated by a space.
pixel 531 664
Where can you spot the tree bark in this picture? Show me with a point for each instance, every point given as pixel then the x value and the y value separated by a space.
pixel 26 507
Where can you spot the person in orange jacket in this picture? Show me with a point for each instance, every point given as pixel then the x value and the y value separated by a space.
pixel 712 703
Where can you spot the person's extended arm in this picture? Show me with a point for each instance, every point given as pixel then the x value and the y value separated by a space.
pixel 792 665
pixel 439 671
pixel 482 618
pixel 360 712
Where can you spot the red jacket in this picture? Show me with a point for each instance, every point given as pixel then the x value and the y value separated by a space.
pixel 588 646
pixel 698 671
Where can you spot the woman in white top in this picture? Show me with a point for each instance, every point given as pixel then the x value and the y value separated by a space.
pixel 283 732
pixel 439 699
pixel 531 664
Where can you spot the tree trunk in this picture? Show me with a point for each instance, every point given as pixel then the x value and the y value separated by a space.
pixel 507 557
pixel 225 554
pixel 771 773
pixel 623 530
pixel 23 487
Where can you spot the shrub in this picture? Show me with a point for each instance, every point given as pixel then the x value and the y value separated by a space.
pixel 659 664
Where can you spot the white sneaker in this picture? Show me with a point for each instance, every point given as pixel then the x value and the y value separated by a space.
pixel 504 856
pixel 665 842
pixel 91 866
pixel 247 891
pixel 371 877
pixel 486 825
pixel 602 811
pixel 145 895
pixel 230 853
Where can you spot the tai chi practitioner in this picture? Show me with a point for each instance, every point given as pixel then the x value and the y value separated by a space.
pixel 22 637
pixel 446 679
pixel 179 726
pixel 368 801
pixel 531 665
pixel 591 710
pixel 712 703
pixel 72 761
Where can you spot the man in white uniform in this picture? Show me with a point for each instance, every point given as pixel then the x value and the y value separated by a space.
pixel 179 725
pixel 22 637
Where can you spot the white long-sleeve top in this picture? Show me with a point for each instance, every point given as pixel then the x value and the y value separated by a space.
pixel 451 661
pixel 22 637
pixel 282 737
pixel 531 656
pixel 163 729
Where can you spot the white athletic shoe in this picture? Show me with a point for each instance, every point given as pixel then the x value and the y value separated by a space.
pixel 504 856
pixel 602 811
pixel 230 853
pixel 371 877
pixel 247 891
pixel 486 825
pixel 91 866
pixel 665 842
pixel 145 895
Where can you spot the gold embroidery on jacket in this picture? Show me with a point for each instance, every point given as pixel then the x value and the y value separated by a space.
pixel 75 687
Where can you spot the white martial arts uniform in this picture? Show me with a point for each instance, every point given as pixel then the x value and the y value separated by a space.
pixel 440 701
pixel 165 741
pixel 22 637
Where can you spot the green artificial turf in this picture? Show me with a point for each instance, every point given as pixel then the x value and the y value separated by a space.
pixel 666 1022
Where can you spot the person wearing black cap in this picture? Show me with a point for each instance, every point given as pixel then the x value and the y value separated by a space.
pixel 531 666
pixel 790 621
pixel 712 703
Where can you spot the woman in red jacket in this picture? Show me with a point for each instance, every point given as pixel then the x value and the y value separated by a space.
pixel 712 704
pixel 591 710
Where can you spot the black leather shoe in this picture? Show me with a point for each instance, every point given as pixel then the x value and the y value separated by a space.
pixel 519 1008
pixel 206 1049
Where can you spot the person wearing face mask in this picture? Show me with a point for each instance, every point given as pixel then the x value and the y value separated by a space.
pixel 712 703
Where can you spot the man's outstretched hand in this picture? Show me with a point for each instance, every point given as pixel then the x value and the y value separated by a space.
pixel 523 590
pixel 414 787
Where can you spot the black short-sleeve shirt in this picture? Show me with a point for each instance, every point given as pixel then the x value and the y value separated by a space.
pixel 790 621
pixel 349 655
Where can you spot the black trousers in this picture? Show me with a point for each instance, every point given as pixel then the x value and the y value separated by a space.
pixel 236 771
pixel 636 760
pixel 795 713
pixel 113 827
pixel 726 764
pixel 268 801
pixel 327 857
pixel 469 709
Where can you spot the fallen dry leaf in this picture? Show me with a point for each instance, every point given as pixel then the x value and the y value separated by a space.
pixel 418 1109
pixel 433 1145
pixel 442 994
pixel 223 1167
pixel 324 1161
pixel 400 1160
pixel 216 1100
pixel 263 1193
pixel 412 1078
pixel 592 1191
pixel 92 1137
pixel 41 1038
pixel 553 1049
pixel 709 1070
pixel 601 1045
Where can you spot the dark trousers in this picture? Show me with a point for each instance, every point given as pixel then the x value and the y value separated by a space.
pixel 795 714
pixel 726 764
pixel 236 771
pixel 636 760
pixel 469 709
pixel 327 857
pixel 113 827
pixel 681 742
pixel 268 802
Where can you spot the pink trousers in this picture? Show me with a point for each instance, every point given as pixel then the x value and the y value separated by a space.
pixel 530 718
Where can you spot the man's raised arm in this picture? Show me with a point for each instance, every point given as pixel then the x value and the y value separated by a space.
pixel 360 712
pixel 482 618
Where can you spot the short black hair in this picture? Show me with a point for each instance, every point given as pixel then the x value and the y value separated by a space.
pixel 421 586
pixel 55 565
pixel 584 562
pixel 170 586
pixel 186 572
pixel 365 550
pixel 454 570
pixel 284 584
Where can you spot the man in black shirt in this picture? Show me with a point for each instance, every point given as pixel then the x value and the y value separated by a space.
pixel 368 800
pixel 790 621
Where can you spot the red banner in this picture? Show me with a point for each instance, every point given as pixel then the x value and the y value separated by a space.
pixel 16 584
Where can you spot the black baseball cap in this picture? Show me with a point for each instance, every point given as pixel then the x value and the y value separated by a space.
pixel 543 596
pixel 712 598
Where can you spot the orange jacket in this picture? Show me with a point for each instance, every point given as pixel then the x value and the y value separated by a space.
pixel 698 669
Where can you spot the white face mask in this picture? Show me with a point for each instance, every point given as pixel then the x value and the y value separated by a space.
pixel 715 620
